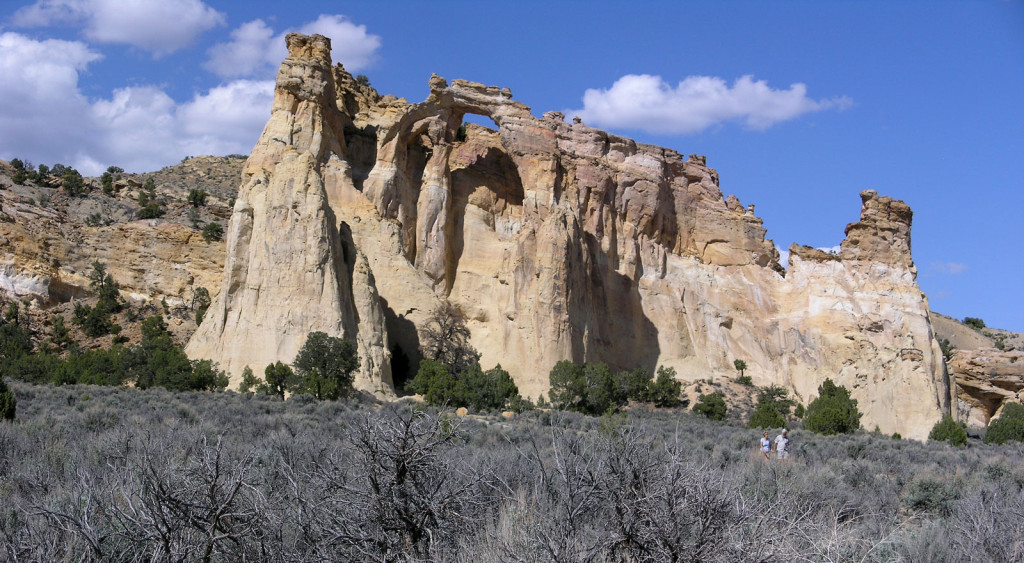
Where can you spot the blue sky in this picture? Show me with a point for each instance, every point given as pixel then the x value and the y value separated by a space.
pixel 798 105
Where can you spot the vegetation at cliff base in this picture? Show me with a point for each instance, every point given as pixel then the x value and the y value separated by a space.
pixel 594 389
pixel 8 403
pixel 711 405
pixel 833 411
pixel 1009 426
pixel 948 430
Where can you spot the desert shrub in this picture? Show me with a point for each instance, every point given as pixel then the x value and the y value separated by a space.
pixel 948 430
pixel 1008 427
pixel 585 388
pixel 74 184
pixel 664 391
pixel 974 322
pixel 152 210
pixel 930 494
pixel 201 303
pixel 745 380
pixel 766 416
pixel 833 412
pixel 711 405
pixel 8 403
pixel 213 232
pixel 197 197
pixel 326 366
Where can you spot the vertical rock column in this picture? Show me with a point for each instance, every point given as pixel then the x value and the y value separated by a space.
pixel 286 273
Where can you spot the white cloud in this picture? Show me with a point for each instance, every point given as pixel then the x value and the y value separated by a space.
pixel 254 49
pixel 46 118
pixel 245 54
pixel 948 268
pixel 643 101
pixel 42 107
pixel 158 26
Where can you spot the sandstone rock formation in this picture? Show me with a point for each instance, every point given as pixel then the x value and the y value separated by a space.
pixel 358 214
pixel 986 379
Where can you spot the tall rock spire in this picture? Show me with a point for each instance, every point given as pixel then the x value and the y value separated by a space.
pixel 289 268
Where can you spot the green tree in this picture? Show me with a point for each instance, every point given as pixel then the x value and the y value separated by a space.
pixel 445 338
pixel 636 384
pixel 1008 427
pixel 488 390
pixel 249 381
pixel 158 362
pixel 152 210
pixel 948 430
pixel 213 232
pixel 278 379
pixel 974 322
pixel 665 389
pixel 326 366
pixel 711 406
pixel 8 404
pixel 74 184
pixel 201 303
pixel 777 397
pixel 197 197
pixel 96 320
pixel 740 366
pixel 833 412
pixel 112 174
pixel 61 336
pixel 765 416
pixel 435 382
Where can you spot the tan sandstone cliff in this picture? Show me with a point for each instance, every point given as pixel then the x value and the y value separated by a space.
pixel 358 214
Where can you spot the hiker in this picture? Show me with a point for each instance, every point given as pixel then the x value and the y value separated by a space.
pixel 782 445
pixel 766 446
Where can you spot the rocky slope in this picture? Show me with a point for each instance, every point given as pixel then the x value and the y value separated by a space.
pixel 358 214
pixel 986 366
pixel 48 239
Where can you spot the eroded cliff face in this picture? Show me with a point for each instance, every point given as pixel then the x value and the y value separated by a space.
pixel 358 214
pixel 986 379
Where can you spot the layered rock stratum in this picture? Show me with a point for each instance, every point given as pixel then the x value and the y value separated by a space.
pixel 358 214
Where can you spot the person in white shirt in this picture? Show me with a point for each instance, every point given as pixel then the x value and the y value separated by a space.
pixel 782 445
pixel 766 445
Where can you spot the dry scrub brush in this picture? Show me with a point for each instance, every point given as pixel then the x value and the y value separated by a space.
pixel 97 473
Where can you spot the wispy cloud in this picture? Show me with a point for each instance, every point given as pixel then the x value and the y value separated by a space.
pixel 255 49
pixel 948 268
pixel 158 26
pixel 649 103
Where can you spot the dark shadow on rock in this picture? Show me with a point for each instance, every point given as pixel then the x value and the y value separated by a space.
pixel 405 347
